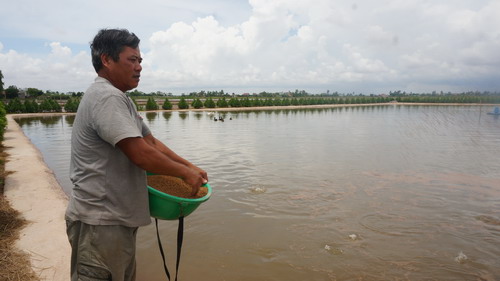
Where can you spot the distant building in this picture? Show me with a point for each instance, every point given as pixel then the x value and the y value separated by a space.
pixel 22 93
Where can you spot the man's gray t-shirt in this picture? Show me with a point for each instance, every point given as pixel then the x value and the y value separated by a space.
pixel 108 188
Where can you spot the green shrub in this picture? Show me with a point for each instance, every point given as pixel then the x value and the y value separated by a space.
pixel 3 120
pixel 222 102
pixel 15 106
pixel 72 105
pixel 183 104
pixel 197 103
pixel 234 102
pixel 151 104
pixel 167 105
pixel 209 103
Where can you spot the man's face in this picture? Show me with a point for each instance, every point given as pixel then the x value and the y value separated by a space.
pixel 126 72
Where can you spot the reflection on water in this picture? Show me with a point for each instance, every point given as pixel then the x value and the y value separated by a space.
pixel 167 115
pixel 151 116
pixel 354 193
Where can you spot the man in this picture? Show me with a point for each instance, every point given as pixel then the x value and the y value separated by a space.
pixel 111 148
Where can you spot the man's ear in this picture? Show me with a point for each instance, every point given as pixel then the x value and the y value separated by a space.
pixel 106 59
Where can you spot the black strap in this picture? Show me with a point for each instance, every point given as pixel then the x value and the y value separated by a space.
pixel 180 234
pixel 161 250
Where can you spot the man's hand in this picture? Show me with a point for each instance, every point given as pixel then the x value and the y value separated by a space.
pixel 202 172
pixel 195 179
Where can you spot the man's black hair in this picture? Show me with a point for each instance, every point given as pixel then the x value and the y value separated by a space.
pixel 111 42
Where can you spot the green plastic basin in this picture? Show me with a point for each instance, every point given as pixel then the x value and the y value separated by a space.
pixel 167 207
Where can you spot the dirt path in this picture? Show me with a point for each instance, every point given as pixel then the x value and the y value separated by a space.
pixel 32 189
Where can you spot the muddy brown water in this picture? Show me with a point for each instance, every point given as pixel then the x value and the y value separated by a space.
pixel 365 193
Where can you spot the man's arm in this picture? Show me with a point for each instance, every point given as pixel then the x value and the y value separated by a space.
pixel 154 142
pixel 153 160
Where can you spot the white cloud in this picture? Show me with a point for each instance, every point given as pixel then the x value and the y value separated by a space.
pixel 57 50
pixel 277 45
pixel 59 71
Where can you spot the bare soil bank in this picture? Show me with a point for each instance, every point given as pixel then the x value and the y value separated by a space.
pixel 14 264
pixel 31 188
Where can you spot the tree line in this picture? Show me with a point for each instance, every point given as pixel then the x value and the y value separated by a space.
pixel 235 102
pixel 33 106
pixel 449 99
pixel 222 102
pixel 72 103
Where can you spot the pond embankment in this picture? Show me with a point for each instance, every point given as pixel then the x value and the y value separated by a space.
pixel 32 189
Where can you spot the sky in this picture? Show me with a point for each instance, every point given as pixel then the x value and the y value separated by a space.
pixel 361 47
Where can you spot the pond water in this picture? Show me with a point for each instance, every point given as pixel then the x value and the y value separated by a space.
pixel 383 192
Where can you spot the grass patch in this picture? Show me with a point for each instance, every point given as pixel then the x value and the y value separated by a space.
pixel 14 264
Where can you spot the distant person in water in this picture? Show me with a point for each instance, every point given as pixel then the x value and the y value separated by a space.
pixel 111 148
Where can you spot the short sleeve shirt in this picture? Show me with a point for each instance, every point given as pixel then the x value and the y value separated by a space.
pixel 108 188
